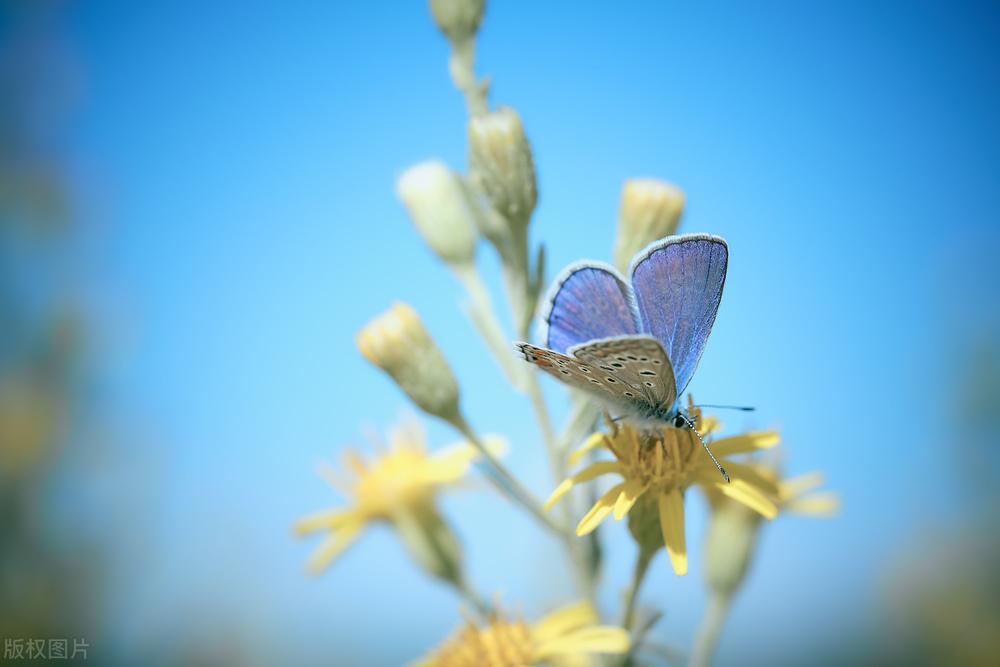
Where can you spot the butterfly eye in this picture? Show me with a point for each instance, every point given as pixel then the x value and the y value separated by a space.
pixel 679 421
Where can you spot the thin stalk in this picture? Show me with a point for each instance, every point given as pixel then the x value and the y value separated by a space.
pixel 462 67
pixel 474 599
pixel 632 596
pixel 707 640
pixel 484 318
pixel 505 481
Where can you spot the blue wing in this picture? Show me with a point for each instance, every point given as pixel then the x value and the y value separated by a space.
pixel 678 286
pixel 588 301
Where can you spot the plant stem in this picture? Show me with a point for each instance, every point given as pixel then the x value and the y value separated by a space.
pixel 485 320
pixel 632 597
pixel 462 67
pixel 483 608
pixel 707 640
pixel 505 481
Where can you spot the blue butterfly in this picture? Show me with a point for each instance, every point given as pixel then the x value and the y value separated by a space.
pixel 634 345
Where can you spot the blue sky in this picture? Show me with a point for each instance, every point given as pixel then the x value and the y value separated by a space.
pixel 239 161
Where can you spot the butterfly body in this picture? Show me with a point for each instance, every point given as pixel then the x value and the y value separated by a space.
pixel 635 344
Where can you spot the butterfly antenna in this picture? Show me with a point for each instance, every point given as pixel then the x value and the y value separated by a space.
pixel 704 444
pixel 725 407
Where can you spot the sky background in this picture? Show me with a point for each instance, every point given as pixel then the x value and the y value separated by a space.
pixel 239 225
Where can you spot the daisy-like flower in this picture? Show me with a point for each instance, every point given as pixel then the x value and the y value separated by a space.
pixel 564 638
pixel 400 487
pixel 657 467
pixel 796 496
pixel 733 530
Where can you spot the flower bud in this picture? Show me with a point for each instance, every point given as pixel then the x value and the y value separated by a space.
pixel 650 210
pixel 458 19
pixel 441 210
pixel 644 524
pixel 398 343
pixel 502 166
pixel 732 538
pixel 431 542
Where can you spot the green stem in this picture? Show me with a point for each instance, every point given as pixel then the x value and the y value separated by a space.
pixel 475 600
pixel 707 640
pixel 484 318
pixel 462 67
pixel 638 577
pixel 505 481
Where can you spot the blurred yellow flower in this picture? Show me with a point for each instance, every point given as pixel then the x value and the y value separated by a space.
pixel 657 467
pixel 564 638
pixel 796 496
pixel 733 530
pixel 399 486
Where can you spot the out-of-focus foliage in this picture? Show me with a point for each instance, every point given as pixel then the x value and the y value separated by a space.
pixel 47 577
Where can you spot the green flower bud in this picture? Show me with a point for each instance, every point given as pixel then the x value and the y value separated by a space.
pixel 650 210
pixel 398 343
pixel 732 539
pixel 458 19
pixel 502 165
pixel 441 210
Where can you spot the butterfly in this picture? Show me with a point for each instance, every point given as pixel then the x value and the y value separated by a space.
pixel 634 344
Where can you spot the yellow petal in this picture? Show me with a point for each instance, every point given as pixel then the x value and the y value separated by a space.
pixel 823 505
pixel 672 525
pixel 595 441
pixel 451 463
pixel 626 499
pixel 563 620
pixel 796 486
pixel 743 492
pixel 355 462
pixel 326 520
pixel 746 443
pixel 753 477
pixel 710 425
pixel 600 510
pixel 585 475
pixel 594 639
pixel 333 546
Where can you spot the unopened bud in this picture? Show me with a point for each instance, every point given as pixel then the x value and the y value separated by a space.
pixel 458 19
pixel 441 210
pixel 650 210
pixel 398 343
pixel 732 539
pixel 502 165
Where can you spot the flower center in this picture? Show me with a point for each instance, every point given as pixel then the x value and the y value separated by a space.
pixel 394 483
pixel 500 644
pixel 659 458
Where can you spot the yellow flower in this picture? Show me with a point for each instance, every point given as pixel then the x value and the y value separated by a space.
pixel 657 467
pixel 564 638
pixel 733 531
pixel 795 496
pixel 399 486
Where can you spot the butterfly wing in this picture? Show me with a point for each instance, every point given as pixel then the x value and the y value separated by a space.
pixel 678 286
pixel 640 362
pixel 603 385
pixel 588 301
